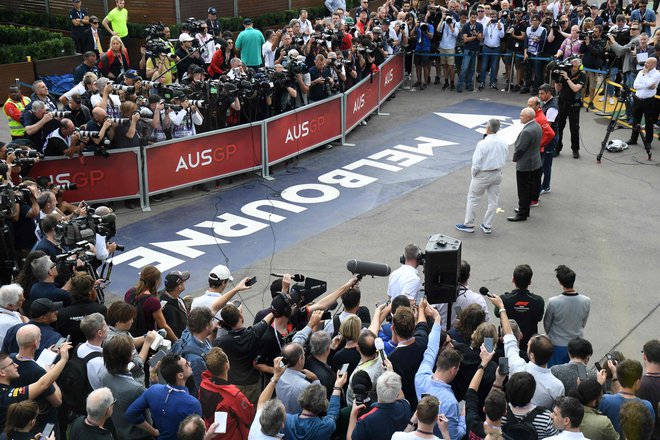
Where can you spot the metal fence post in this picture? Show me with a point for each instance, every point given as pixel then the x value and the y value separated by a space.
pixel 177 10
pixel 265 171
pixel 343 121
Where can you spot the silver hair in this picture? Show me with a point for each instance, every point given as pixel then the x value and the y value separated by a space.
pixel 98 403
pixel 319 342
pixel 388 387
pixel 272 417
pixel 10 295
pixel 35 84
pixel 101 83
pixel 293 22
pixel 38 105
pixel 529 113
pixel 314 399
pixel 493 125
pixel 91 325
pixel 40 267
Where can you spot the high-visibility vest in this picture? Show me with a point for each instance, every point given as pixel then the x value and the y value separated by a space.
pixel 16 128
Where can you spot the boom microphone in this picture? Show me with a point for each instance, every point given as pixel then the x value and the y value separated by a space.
pixel 368 268
pixel 297 277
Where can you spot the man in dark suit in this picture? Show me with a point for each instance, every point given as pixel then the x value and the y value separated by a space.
pixel 91 38
pixel 527 155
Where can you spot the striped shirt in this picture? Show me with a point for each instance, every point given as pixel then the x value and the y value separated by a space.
pixel 542 423
pixel 570 47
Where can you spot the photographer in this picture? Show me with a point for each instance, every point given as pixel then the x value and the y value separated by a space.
pixel 516 40
pixel 284 92
pixel 472 34
pixel 321 80
pixel 26 213
pixel 102 124
pixel 184 120
pixel 160 120
pixel 88 65
pixel 301 77
pixel 348 65
pixel 80 114
pixel 493 34
pixel 593 48
pixel 569 90
pixel 535 37
pixel 187 55
pixel 158 67
pixel 629 63
pixel 64 141
pixel 127 134
pixel 382 48
pixel 621 35
pixel 423 37
pixel 40 93
pixel 448 30
pixel 38 124
pixel 86 83
pixel 105 98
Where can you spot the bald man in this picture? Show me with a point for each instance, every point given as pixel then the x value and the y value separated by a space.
pixel 646 84
pixel 527 155
pixel 102 124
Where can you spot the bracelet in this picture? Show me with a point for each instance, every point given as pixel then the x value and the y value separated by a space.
pixel 502 311
pixel 497 386
pixel 337 388
pixel 481 367
pixel 272 379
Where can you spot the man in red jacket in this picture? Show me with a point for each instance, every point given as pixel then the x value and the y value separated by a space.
pixel 217 394
pixel 548 134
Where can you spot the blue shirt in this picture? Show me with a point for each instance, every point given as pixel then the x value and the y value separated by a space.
pixel 313 428
pixel 290 386
pixel 426 384
pixel 169 405
pixel 649 17
pixel 383 420
pixel 49 336
pixel 50 291
pixel 470 30
pixel 610 405
pixel 423 39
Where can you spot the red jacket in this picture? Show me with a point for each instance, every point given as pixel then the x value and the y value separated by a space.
pixel 548 132
pixel 218 395
pixel 217 61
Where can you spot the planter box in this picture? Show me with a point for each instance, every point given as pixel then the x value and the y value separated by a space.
pixel 9 73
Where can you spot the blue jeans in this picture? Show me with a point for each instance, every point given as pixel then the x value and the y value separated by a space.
pixel 629 80
pixel 534 67
pixel 489 62
pixel 333 5
pixel 546 160
pixel 467 70
pixel 610 88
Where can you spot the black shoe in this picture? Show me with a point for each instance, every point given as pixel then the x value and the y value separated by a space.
pixel 422 87
pixel 591 106
pixel 576 154
pixel 515 88
pixel 631 141
pixel 428 80
pixel 481 86
pixel 417 84
pixel 437 80
pixel 517 218
pixel 557 153
pixel 452 88
pixel 446 86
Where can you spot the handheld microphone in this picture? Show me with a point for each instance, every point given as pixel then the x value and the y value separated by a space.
pixel 484 291
pixel 298 278
pixel 368 268
pixel 380 347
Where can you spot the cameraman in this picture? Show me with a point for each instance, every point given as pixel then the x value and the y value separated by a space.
pixel 569 90
pixel 105 99
pixel 38 124
pixel 24 218
pixel 382 48
pixel 516 41
pixel 184 120
pixel 187 55
pixel 472 34
pixel 423 37
pixel 593 48
pixel 493 34
pixel 127 135
pixel 284 92
pixel 160 120
pixel 103 124
pixel 80 114
pixel 448 29
pixel 321 80
pixel 87 83
pixel 157 67
pixel 337 71
pixel 64 141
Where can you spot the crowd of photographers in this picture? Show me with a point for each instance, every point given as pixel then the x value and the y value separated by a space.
pixel 312 365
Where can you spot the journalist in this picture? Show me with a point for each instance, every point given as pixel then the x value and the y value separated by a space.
pixel 38 123
pixel 448 29
pixel 64 141
pixel 569 90
pixel 185 118
pixel 472 33
pixel 321 80
pixel 593 50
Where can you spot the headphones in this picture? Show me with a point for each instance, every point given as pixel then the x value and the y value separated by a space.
pixel 419 257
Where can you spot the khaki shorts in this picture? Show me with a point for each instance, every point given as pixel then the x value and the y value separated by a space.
pixel 592 81
pixel 446 60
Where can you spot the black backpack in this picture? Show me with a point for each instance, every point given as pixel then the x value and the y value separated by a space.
pixel 73 381
pixel 522 429
pixel 139 326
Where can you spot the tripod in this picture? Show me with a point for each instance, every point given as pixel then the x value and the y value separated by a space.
pixel 614 119
pixel 8 263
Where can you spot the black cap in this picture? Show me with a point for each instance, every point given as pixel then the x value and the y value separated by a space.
pixel 385 22
pixel 176 278
pixel 42 306
pixel 213 11
pixel 247 21
pixel 518 10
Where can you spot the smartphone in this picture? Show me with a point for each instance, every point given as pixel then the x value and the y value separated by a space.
pixel 344 369
pixel 47 431
pixel 380 346
pixel 419 297
pixel 457 311
pixel 221 420
pixel 59 343
pixel 326 315
pixel 488 342
pixel 104 284
pixel 237 303
pixel 598 367
pixel 359 399
pixel 156 358
pixel 504 366
pixel 251 281
pixel 582 372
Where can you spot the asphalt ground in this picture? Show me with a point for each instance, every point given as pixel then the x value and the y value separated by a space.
pixel 600 220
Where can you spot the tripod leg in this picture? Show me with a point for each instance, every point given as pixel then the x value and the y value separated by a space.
pixel 614 119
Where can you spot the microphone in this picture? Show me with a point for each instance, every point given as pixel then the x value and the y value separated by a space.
pixel 298 278
pixel 368 268
pixel 484 291
pixel 380 347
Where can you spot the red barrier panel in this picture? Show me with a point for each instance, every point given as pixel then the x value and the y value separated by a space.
pixel 117 177
pixel 305 128
pixel 391 76
pixel 361 100
pixel 178 163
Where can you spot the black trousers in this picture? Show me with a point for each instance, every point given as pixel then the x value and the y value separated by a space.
pixel 570 111
pixel 527 182
pixel 648 109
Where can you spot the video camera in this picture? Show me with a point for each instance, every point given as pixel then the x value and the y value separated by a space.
pixel 585 34
pixel 155 31
pixel 7 198
pixel 556 67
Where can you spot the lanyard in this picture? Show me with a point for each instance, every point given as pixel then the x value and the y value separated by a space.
pixel 170 390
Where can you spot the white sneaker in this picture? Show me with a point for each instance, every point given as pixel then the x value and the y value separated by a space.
pixel 601 99
pixel 611 101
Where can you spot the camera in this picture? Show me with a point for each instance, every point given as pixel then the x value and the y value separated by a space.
pixel 88 134
pixel 424 27
pixel 585 34
pixel 196 102
pixel 118 121
pixel 154 31
pixel 61 114
pixel 19 152
pixel 449 20
pixel 127 89
pixel 556 67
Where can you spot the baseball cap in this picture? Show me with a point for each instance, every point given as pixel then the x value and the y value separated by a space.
pixel 185 37
pixel 41 306
pixel 175 278
pixel 131 74
pixel 385 22
pixel 377 30
pixel 212 10
pixel 349 20
pixel 295 55
pixel 247 21
pixel 220 273
pixel 76 1
pixel 178 94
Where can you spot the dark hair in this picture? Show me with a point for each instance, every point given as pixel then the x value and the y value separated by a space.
pixel 275 287
pixel 520 388
pixel 120 311
pixel 199 318
pixel 169 367
pixel 216 361
pixel 149 280
pixel 469 320
pixel 403 322
pixel 522 276
pixel 473 12
pixel 448 359
pixel 635 421
pixel 191 428
pixel 571 408
pixel 230 315
pixel 351 299
pixel 117 353
pixel 427 409
pixel 462 13
pixel 398 301
pixel 49 223
pixel 464 272
pixel 293 352
pixel 495 404
pixel 366 343
pixel 588 391
pixel 19 415
pixel 25 277
pixel 652 351
pixel 81 285
pixel 541 347
pixel 580 348
pixel 628 372
pixel 565 276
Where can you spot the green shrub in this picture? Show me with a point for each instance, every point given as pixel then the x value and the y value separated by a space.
pixel 19 42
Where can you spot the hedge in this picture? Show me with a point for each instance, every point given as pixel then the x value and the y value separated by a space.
pixel 18 42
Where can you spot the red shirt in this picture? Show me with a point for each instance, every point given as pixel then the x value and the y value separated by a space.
pixel 548 132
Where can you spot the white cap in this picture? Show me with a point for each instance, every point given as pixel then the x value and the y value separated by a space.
pixel 220 273
pixel 295 55
pixel 185 37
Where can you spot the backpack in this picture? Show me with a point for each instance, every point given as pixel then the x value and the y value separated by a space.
pixel 220 397
pixel 139 326
pixel 73 381
pixel 522 429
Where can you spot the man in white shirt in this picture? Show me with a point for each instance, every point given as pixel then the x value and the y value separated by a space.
pixel 11 299
pixel 487 161
pixel 268 48
pixel 184 120
pixel 646 84
pixel 405 280
pixel 306 27
pixel 218 279
pixel 96 331
pixel 493 34
pixel 567 414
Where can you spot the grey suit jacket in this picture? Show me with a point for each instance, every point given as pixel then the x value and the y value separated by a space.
pixel 527 149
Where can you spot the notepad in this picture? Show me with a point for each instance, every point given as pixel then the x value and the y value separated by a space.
pixel 221 420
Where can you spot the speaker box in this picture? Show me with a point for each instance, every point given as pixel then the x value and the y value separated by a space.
pixel 441 267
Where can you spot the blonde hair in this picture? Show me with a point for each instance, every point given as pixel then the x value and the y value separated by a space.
pixel 350 328
pixel 117 38
pixel 484 330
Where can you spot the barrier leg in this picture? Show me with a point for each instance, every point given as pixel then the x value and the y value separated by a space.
pixel 513 62
pixel 265 170
pixel 378 112
pixel 343 121
pixel 144 179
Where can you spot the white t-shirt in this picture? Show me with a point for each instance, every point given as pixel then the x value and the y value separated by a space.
pixel 255 430
pixel 404 281
pixel 269 54
pixel 206 300
pixel 113 104
pixel 413 435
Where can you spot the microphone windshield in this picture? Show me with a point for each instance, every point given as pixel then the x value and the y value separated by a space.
pixel 368 268
pixel 484 290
